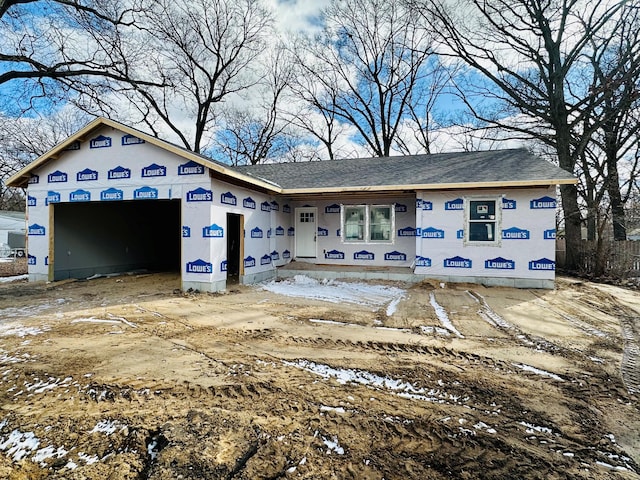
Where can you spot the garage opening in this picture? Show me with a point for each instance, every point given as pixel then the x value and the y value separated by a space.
pixel 109 237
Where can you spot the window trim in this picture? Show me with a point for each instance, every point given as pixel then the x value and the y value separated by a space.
pixel 497 242
pixel 367 224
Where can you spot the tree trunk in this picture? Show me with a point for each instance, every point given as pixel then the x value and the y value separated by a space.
pixel 615 197
pixel 572 226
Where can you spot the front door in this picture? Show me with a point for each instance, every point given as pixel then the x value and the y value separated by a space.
pixel 306 231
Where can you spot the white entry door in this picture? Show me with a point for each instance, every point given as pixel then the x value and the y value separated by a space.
pixel 306 231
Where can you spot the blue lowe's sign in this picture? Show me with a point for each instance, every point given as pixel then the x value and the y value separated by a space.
pixel 31 260
pixel 423 261
pixel 542 203
pixel 395 256
pixel 186 231
pixel 542 264
pixel 286 254
pixel 111 194
pixel 275 206
pixel 80 196
pixel 323 232
pixel 334 255
pixel 279 231
pixel 508 204
pixel 432 232
pixel 457 204
pixel 408 232
pixel 118 173
pixel 228 198
pixel 36 229
pixel 265 207
pixel 363 255
pixel 335 208
pixel 100 142
pixel 213 231
pixel 145 193
pixel 286 209
pixel 154 170
pixel 130 140
pixel 457 262
pixel 424 205
pixel 249 262
pixel 52 197
pixel 86 175
pixel 73 146
pixel 199 266
pixel 200 195
pixel 190 168
pixel 265 260
pixel 275 255
pixel 33 179
pixel 460 234
pixel 31 201
pixel 550 234
pixel 515 233
pixel 291 232
pixel 223 266
pixel 256 233
pixel 57 177
pixel 400 208
pixel 249 203
pixel 499 263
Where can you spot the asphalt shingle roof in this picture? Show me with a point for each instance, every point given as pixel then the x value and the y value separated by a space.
pixel 495 166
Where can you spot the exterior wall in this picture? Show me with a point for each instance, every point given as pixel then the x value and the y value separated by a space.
pixel 524 255
pixel 332 250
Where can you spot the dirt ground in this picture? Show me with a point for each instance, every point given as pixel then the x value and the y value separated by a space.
pixel 130 378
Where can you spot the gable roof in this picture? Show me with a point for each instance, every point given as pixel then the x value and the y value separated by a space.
pixel 21 178
pixel 495 168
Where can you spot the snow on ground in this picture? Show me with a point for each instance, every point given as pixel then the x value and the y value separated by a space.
pixel 441 313
pixel 14 278
pixel 18 330
pixel 335 291
pixel 537 371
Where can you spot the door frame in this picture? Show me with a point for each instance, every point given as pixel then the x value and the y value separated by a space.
pixel 298 210
pixel 240 236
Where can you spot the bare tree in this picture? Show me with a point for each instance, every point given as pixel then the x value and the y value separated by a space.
pixel 530 52
pixel 364 70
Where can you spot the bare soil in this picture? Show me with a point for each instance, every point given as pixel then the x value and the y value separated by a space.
pixel 130 378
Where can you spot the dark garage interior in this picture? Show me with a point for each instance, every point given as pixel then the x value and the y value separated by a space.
pixel 108 237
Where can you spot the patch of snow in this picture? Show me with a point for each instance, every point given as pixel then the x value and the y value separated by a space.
pixel 619 468
pixel 113 321
pixel 48 452
pixel 333 445
pixel 335 291
pixel 88 459
pixel 484 426
pixel 535 428
pixel 14 278
pixel 18 444
pixel 441 313
pixel 71 465
pixel 537 371
pixel 19 330
pixel 393 329
pixel 325 408
pixel 329 322
pixel 596 360
pixel 429 330
pixel 41 386
pixel 393 306
pixel 106 426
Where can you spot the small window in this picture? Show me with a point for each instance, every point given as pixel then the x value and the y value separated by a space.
pixel 380 223
pixel 482 221
pixel 354 224
pixel 368 223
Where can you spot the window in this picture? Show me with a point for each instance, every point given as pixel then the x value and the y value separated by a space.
pixel 483 225
pixel 367 223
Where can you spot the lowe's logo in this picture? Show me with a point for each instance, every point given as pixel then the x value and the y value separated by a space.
pixel 213 231
pixel 400 208
pixel 223 266
pixel 275 206
pixel 200 195
pixel 265 206
pixel 542 202
pixel 57 177
pixel 31 260
pixel 36 229
pixel 457 262
pixel 46 260
pixel 249 203
pixel 508 204
pixel 190 168
pixel 408 232
pixel 291 232
pixel 275 255
pixel 395 256
pixel 199 266
pixel 118 173
pixel 423 261
pixel 131 140
pixel 73 146
pixel 550 234
pixel 363 255
pixel 335 208
pixel 279 231
pixel 286 209
pixel 265 260
pixel 145 193
pixel 111 194
pixel 457 204
pixel 256 233
pixel 228 199
pixel 154 170
pixel 286 254
pixel 249 262
pixel 86 175
pixel 323 232
pixel 80 196
pixel 100 142
pixel 334 255
pixel 499 263
pixel 424 205
pixel 32 201
pixel 460 234
pixel 515 233
pixel 33 179
pixel 186 231
pixel 542 264
pixel 52 197
pixel 432 232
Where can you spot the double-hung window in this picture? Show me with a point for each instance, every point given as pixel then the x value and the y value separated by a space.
pixel 368 223
pixel 482 221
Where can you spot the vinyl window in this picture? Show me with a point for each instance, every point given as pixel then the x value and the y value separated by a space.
pixel 367 223
pixel 482 221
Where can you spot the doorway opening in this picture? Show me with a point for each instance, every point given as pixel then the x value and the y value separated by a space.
pixel 235 247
